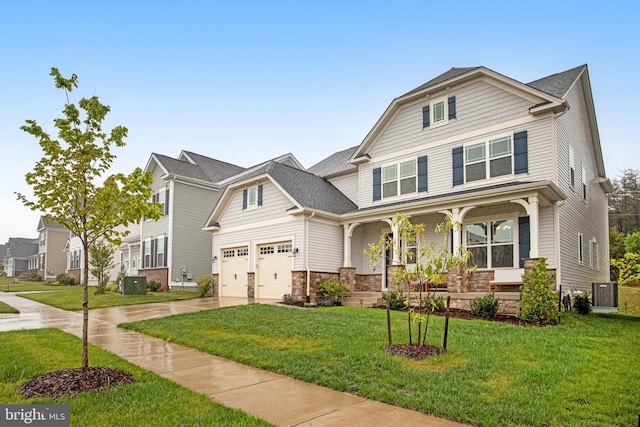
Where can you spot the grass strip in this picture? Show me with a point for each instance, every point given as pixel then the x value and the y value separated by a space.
pixel 7 309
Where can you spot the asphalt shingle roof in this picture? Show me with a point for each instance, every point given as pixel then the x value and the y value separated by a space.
pixel 337 162
pixel 557 84
pixel 309 190
pixel 453 72
pixel 205 169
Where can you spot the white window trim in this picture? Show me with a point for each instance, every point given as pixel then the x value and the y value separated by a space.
pixel 432 112
pixel 516 237
pixel 487 161
pixel 580 248
pixel 160 238
pixel 254 205
pixel 399 178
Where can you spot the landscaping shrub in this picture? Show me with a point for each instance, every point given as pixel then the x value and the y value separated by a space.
pixel 203 286
pixel 539 302
pixel 396 300
pixel 289 299
pixel 33 277
pixel 65 280
pixel 111 288
pixel 582 303
pixel 332 290
pixel 153 285
pixel 486 306
pixel 434 304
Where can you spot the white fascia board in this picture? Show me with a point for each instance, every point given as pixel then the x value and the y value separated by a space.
pixel 153 158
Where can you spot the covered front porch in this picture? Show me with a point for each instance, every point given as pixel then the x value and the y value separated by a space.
pixel 501 229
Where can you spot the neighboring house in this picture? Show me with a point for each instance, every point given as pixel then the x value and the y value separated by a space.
pixel 174 250
pixel 3 251
pixel 51 258
pixel 18 253
pixel 519 166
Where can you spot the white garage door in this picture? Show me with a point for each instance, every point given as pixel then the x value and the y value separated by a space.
pixel 233 280
pixel 275 262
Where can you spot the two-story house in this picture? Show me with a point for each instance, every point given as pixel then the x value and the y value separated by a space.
pixel 518 166
pixel 18 253
pixel 174 250
pixel 51 258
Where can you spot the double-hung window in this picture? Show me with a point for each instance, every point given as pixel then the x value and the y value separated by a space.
pixel 252 197
pixel 400 178
pixel 160 251
pixel 488 159
pixel 491 243
pixel 146 257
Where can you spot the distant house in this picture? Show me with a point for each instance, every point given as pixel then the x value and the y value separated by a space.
pixel 18 253
pixel 518 166
pixel 174 250
pixel 51 258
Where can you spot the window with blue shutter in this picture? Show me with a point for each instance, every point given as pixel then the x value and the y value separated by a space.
pixel 244 199
pixel 166 202
pixel 452 107
pixel 458 165
pixel 425 117
pixel 520 153
pixel 422 174
pixel 524 238
pixel 259 195
pixel 166 250
pixel 377 184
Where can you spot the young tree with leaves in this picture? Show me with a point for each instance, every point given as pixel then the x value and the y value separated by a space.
pixel 101 261
pixel 68 181
pixel 432 262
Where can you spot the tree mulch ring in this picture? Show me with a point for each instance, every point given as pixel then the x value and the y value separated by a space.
pixel 69 382
pixel 414 351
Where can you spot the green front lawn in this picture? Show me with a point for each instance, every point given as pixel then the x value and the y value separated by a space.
pixel 7 285
pixel 152 401
pixel 582 372
pixel 70 298
pixel 7 309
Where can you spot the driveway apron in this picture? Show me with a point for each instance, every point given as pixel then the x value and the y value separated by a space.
pixel 276 398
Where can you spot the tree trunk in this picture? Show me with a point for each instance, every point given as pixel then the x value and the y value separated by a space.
pixel 85 305
pixel 389 321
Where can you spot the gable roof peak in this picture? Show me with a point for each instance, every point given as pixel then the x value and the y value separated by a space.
pixel 451 73
pixel 558 84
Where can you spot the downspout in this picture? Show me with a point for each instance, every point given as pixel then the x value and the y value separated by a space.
pixel 306 255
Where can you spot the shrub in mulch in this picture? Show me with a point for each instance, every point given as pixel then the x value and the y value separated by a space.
pixel 69 382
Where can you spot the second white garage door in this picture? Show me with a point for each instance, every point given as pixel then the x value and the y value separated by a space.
pixel 275 262
pixel 233 280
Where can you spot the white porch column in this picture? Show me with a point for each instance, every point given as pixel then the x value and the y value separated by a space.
pixel 348 234
pixel 396 244
pixel 534 227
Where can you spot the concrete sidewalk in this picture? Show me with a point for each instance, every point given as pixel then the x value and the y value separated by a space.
pixel 276 398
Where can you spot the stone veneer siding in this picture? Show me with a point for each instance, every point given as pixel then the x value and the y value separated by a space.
pixel 368 282
pixel 75 273
pixel 251 285
pixel 299 282
pixel 215 283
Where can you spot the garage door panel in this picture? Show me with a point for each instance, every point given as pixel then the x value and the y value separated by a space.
pixel 233 279
pixel 275 262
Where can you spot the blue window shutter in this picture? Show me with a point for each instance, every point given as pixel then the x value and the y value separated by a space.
pixel 377 184
pixel 458 166
pixel 520 156
pixel 153 252
pixel 524 238
pixel 244 199
pixel 452 107
pixel 143 263
pixel 425 117
pixel 259 195
pixel 422 174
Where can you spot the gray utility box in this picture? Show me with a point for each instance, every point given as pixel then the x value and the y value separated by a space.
pixel 134 285
pixel 605 294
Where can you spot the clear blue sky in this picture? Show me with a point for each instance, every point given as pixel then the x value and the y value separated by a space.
pixel 247 81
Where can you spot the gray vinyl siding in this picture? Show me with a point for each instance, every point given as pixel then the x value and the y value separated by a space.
pixel 478 105
pixel 190 245
pixel 348 185
pixel 161 226
pixel 576 216
pixel 546 236
pixel 361 237
pixel 274 205
pixel 262 233
pixel 325 246
pixel 540 146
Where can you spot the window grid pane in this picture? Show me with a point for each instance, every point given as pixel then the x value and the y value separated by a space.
pixel 438 112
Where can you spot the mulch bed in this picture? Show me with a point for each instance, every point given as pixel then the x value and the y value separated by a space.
pixel 69 382
pixel 414 351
